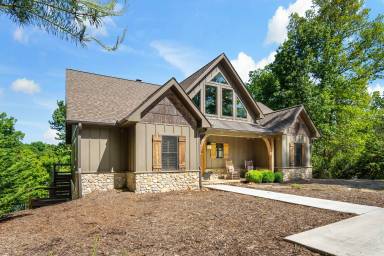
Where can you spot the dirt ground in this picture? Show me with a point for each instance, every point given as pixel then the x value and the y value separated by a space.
pixel 177 223
pixel 354 191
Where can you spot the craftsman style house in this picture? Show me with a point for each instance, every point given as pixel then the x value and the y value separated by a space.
pixel 151 138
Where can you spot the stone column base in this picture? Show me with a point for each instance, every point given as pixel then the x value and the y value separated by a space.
pixel 145 182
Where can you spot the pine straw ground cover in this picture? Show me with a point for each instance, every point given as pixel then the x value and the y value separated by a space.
pixel 367 192
pixel 178 223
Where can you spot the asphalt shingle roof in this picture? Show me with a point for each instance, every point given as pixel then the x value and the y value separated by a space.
pixel 103 99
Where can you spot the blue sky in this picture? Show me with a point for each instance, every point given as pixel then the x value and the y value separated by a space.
pixel 164 39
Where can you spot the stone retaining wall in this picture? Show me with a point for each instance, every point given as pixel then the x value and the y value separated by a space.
pixel 101 182
pixel 296 173
pixel 162 181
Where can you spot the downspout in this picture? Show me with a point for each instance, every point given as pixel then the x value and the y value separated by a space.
pixel 79 183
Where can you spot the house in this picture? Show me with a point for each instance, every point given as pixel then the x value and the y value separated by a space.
pixel 150 138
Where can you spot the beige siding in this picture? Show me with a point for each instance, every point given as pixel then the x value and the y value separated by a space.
pixel 144 133
pixel 240 149
pixel 103 149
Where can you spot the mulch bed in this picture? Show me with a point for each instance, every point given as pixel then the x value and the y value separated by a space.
pixel 177 223
pixel 358 192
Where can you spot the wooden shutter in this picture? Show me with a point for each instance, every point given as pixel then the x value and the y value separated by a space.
pixel 182 141
pixel 156 152
pixel 303 154
pixel 226 150
pixel 213 150
pixel 291 154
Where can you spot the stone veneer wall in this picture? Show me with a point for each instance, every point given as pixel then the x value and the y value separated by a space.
pixel 101 182
pixel 162 181
pixel 296 173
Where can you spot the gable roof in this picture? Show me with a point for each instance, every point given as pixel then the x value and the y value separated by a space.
pixel 189 83
pixel 172 84
pixel 102 99
pixel 264 108
pixel 279 120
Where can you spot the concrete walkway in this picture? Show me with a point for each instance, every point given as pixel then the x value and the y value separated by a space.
pixel 357 236
pixel 302 200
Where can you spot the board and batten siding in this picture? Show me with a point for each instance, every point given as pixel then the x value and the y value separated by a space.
pixel 104 149
pixel 143 144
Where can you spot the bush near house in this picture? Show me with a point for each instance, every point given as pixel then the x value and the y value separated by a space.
pixel 263 176
pixel 278 177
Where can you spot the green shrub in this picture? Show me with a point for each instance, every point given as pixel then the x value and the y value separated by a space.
pixel 278 177
pixel 254 176
pixel 268 176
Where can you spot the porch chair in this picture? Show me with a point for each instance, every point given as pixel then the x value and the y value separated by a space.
pixel 233 173
pixel 248 165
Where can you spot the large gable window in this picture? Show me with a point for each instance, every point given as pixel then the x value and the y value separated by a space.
pixel 169 153
pixel 197 100
pixel 227 102
pixel 211 100
pixel 219 78
pixel 241 112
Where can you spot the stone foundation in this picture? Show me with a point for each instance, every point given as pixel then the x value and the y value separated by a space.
pixel 162 181
pixel 101 182
pixel 296 173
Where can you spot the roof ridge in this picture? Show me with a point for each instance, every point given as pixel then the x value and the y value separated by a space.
pixel 125 79
pixel 209 63
pixel 279 110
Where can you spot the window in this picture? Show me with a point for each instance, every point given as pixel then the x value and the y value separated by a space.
pixel 227 102
pixel 219 150
pixel 298 154
pixel 169 155
pixel 240 109
pixel 219 78
pixel 196 100
pixel 210 100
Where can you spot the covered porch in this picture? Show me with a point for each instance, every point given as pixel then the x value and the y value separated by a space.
pixel 218 148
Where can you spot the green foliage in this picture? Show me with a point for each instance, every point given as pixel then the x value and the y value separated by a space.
pixel 326 63
pixel 278 177
pixel 268 177
pixel 254 176
pixel 259 176
pixel 66 19
pixel 24 168
pixel 58 121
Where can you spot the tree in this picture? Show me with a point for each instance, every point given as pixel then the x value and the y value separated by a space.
pixel 21 172
pixel 58 121
pixel 67 19
pixel 326 63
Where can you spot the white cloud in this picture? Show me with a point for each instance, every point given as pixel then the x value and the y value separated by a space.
pixel 25 86
pixel 277 25
pixel 376 87
pixel 186 59
pixel 49 136
pixel 20 36
pixel 244 64
pixel 1 92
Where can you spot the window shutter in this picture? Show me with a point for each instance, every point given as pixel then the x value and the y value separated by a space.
pixel 303 153
pixel 156 152
pixel 226 150
pixel 291 154
pixel 182 141
pixel 213 150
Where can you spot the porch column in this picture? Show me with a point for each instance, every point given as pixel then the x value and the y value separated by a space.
pixel 284 151
pixel 272 155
